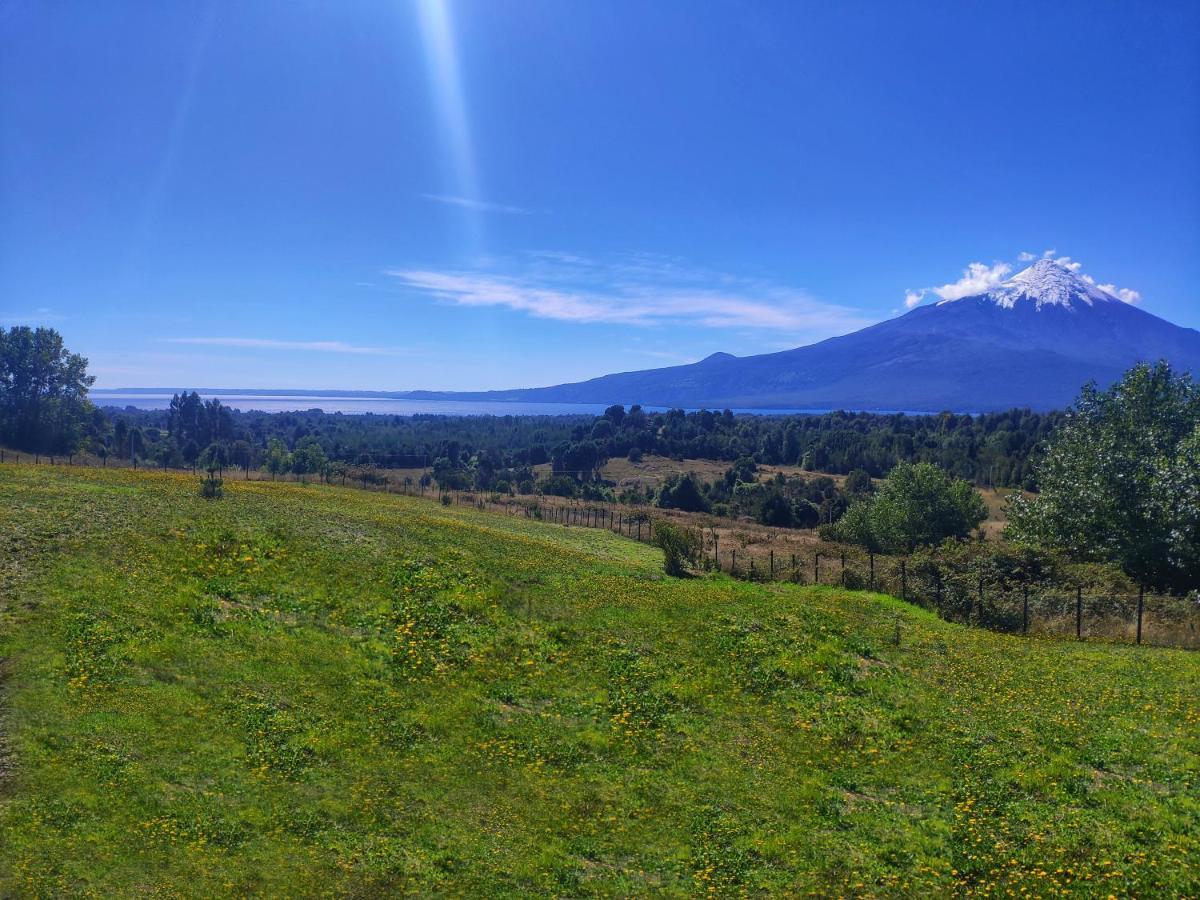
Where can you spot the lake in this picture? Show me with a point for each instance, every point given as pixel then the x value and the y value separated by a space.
pixel 385 406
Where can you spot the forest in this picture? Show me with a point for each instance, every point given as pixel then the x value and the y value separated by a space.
pixel 994 449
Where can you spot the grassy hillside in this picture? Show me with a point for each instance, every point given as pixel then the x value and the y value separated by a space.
pixel 310 690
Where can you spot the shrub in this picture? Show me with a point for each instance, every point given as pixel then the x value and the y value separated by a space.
pixel 679 547
pixel 210 487
pixel 919 505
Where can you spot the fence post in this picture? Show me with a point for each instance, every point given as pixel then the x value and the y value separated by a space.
pixel 639 537
pixel 733 561
pixel 843 568
pixel 980 619
pixel 1078 613
pixel 871 559
pixel 1025 609
pixel 752 568
pixel 795 571
pixel 816 568
pixel 903 581
pixel 1141 603
pixel 772 564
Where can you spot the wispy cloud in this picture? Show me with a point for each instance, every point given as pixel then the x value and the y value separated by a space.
pixel 478 205
pixel 270 344
pixel 40 316
pixel 637 290
pixel 1026 256
pixel 1127 294
pixel 976 278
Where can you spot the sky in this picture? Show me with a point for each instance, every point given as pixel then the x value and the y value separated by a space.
pixel 480 194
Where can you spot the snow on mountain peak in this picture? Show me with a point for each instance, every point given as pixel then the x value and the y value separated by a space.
pixel 1045 283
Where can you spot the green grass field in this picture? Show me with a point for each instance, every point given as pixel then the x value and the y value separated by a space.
pixel 304 690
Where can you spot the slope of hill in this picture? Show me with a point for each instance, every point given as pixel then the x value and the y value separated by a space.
pixel 1030 342
pixel 303 690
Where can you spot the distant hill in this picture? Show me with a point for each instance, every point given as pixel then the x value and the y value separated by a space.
pixel 1030 342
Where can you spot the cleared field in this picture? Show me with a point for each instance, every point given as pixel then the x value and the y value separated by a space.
pixel 309 690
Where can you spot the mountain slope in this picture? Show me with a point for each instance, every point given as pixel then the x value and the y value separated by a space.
pixel 1031 341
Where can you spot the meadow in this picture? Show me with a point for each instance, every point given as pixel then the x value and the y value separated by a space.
pixel 309 690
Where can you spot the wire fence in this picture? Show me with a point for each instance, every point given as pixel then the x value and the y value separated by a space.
pixel 984 598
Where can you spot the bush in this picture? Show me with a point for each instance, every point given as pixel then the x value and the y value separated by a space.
pixel 682 492
pixel 446 501
pixel 210 487
pixel 919 505
pixel 679 547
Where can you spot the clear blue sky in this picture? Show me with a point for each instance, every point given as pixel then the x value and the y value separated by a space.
pixel 490 193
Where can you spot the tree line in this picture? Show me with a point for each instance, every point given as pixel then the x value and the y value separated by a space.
pixel 1117 477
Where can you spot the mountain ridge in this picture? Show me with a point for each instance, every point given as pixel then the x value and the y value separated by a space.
pixel 1031 341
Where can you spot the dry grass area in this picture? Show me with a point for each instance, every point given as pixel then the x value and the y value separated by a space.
pixel 652 471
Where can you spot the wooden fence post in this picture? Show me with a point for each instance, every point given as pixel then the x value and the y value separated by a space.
pixel 871 560
pixel 1025 609
pixel 903 581
pixel 816 568
pixel 1078 613
pixel 979 620
pixel 772 563
pixel 843 568
pixel 733 562
pixel 1141 603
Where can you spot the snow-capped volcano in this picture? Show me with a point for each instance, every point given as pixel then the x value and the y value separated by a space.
pixel 1045 283
pixel 1032 341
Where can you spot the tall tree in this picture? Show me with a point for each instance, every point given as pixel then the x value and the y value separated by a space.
pixel 1120 480
pixel 43 391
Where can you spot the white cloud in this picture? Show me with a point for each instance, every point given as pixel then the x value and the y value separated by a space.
pixel 478 205
pixel 638 290
pixel 1046 254
pixel 979 278
pixel 270 344
pixel 976 279
pixel 1025 256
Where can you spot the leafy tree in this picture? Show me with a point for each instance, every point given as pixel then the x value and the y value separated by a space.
pixel 43 391
pixel 858 484
pixel 918 505
pixel 277 460
pixel 682 492
pixel 679 547
pixel 308 458
pixel 776 511
pixel 1120 480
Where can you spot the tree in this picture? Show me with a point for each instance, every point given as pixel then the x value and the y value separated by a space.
pixel 309 457
pixel 918 505
pixel 1120 480
pixel 278 460
pixel 682 492
pixel 679 547
pixel 43 391
pixel 858 484
pixel 776 511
